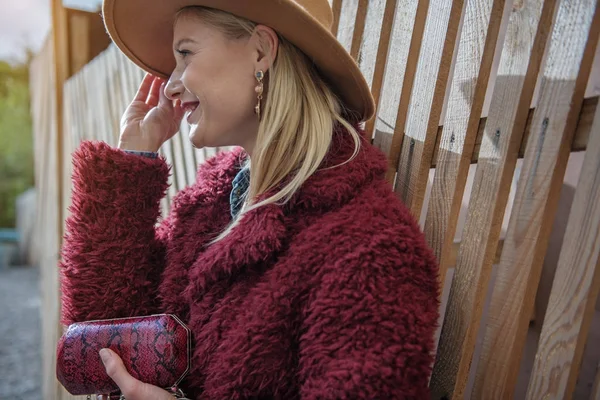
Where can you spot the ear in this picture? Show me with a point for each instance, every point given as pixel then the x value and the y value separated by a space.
pixel 265 44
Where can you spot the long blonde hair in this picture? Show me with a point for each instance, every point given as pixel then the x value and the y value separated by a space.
pixel 297 121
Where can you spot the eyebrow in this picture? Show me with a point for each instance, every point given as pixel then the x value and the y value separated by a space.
pixel 182 41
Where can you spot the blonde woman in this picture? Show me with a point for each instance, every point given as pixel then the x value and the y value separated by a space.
pixel 297 269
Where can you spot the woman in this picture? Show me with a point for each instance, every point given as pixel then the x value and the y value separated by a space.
pixel 297 269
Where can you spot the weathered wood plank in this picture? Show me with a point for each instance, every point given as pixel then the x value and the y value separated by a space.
pixel 575 288
pixel 383 46
pixel 60 40
pixel 416 44
pixel 115 103
pixel 125 95
pixel 519 66
pixel 179 171
pixel 189 155
pixel 395 75
pixel 582 131
pixel 79 39
pixel 359 28
pixel 374 29
pixel 412 156
pixel 469 84
pixel 336 7
pixel 345 31
pixel 167 151
pixel 105 116
pixel 573 43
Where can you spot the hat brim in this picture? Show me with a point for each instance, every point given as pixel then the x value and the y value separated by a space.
pixel 143 31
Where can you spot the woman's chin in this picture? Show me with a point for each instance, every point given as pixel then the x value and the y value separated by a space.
pixel 196 139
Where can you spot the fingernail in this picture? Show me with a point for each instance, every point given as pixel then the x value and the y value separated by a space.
pixel 105 355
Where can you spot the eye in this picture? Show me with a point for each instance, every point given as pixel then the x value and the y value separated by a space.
pixel 183 53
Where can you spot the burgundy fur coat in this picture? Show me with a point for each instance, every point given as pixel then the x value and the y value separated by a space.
pixel 332 296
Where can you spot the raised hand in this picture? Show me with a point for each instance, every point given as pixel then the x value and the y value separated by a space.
pixel 151 119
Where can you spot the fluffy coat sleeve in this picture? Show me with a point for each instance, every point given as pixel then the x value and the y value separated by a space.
pixel 370 321
pixel 112 255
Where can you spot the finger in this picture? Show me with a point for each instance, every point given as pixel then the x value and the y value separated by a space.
pixel 118 373
pixel 142 93
pixel 178 112
pixel 154 92
pixel 163 100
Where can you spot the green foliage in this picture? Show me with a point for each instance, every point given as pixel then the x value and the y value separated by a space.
pixel 16 140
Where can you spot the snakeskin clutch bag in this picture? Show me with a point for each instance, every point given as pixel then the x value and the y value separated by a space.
pixel 155 349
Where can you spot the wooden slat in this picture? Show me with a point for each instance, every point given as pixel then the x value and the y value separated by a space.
pixel 91 130
pixel 98 112
pixel 191 164
pixel 467 93
pixel 359 28
pixel 582 131
pixel 416 44
pixel 179 172
pixel 380 60
pixel 75 121
pixel 79 39
pixel 515 83
pixel 81 98
pixel 106 97
pixel 99 39
pixel 164 209
pixel 369 47
pixel 61 74
pixel 167 151
pixel 345 32
pixel 563 84
pixel 201 155
pixel 125 94
pixel 116 106
pixel 39 83
pixel 67 144
pixel 135 75
pixel 337 9
pixel 395 73
pixel 575 288
pixel 60 39
pixel 411 157
pixel 596 388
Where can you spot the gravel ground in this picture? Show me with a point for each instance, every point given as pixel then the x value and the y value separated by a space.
pixel 20 334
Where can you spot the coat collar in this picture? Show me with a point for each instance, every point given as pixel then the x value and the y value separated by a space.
pixel 262 233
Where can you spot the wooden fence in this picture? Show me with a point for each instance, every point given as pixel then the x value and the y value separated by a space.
pixel 456 82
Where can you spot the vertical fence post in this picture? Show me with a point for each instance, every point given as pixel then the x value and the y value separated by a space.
pixel 60 37
pixel 60 41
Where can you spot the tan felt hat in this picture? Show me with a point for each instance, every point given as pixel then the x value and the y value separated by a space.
pixel 143 30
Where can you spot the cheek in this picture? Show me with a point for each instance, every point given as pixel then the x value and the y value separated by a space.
pixel 233 95
pixel 225 89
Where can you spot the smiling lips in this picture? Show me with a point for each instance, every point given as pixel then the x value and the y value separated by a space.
pixel 190 107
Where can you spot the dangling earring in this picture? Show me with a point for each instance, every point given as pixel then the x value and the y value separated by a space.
pixel 259 91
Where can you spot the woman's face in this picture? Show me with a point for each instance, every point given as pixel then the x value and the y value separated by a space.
pixel 214 79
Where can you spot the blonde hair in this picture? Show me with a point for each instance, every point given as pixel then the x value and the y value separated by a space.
pixel 297 121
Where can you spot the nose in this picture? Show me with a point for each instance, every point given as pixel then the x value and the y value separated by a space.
pixel 174 87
